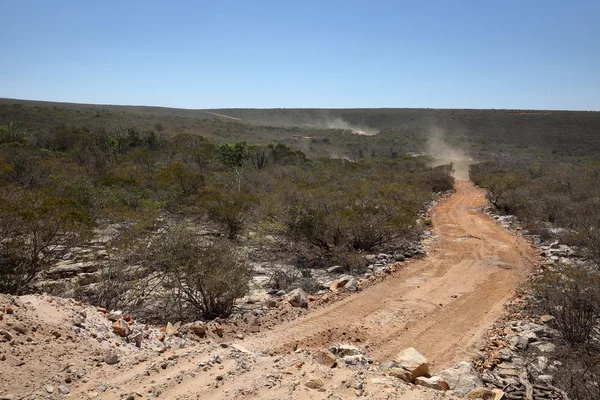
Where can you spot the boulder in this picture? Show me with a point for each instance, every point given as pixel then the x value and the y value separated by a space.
pixel 297 298
pixel 412 361
pixel 517 342
pixel 461 378
pixel 198 327
pixel 435 382
pixel 351 285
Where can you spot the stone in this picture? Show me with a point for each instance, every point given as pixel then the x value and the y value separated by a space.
pixel 351 285
pixel 387 366
pixel 314 383
pixel 435 382
pixel 137 339
pixel 199 328
pixel 297 298
pixel 545 347
pixel 412 361
pixel 481 393
pixel 546 318
pixel 170 329
pixel 326 358
pixel 92 394
pixel 340 282
pixel 49 389
pixel 345 349
pixel 63 389
pixel 499 394
pixel 517 342
pixel 461 378
pixel 400 374
pixel 121 328
pixel 111 357
pixel 20 328
pixel 7 335
pixel 336 269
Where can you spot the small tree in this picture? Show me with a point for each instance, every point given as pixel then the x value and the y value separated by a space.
pixel 208 277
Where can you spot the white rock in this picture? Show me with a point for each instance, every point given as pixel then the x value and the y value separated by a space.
pixel 462 378
pixel 412 361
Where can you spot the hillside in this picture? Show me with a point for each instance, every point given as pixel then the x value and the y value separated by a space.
pixel 482 134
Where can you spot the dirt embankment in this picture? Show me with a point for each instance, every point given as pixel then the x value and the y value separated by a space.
pixel 441 305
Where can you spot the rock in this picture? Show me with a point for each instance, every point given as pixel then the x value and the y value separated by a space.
pixel 218 329
pixel 517 342
pixel 64 390
pixel 400 373
pixel 358 359
pixel 326 358
pixel 20 328
pixel 111 357
pixel 121 328
pixel 170 329
pixel 412 361
pixel 297 298
pixel 49 388
pixel 387 366
pixel 546 318
pixel 545 347
pixel 114 315
pixel 199 328
pixel 399 257
pixel 461 378
pixel 92 394
pixel 314 383
pixel 6 335
pixel 351 285
pixel 137 339
pixel 340 282
pixel 345 349
pixel 481 393
pixel 336 269
pixel 499 394
pixel 435 382
pixel 8 310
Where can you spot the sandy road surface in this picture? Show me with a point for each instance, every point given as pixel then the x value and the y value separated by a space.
pixel 440 305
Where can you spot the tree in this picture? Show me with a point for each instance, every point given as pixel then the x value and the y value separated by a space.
pixel 208 277
pixel 36 228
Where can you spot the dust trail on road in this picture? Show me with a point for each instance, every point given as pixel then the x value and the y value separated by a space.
pixel 441 305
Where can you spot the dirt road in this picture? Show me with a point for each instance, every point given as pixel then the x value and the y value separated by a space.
pixel 440 305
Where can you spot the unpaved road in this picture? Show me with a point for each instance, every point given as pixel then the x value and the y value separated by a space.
pixel 441 305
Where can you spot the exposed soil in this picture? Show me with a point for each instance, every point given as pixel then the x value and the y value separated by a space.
pixel 441 304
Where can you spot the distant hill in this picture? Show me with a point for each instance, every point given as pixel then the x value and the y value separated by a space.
pixel 483 134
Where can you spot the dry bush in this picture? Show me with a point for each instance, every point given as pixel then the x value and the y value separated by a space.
pixel 572 296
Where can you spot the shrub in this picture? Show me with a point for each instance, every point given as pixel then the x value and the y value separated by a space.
pixel 207 276
pixel 572 296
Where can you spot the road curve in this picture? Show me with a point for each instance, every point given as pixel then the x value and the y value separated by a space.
pixel 441 304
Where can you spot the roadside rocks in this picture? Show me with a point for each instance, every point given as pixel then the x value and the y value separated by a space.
pixel 297 298
pixel 413 362
pixel 121 328
pixel 461 378
pixel 434 382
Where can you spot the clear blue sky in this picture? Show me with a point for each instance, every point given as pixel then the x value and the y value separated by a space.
pixel 303 53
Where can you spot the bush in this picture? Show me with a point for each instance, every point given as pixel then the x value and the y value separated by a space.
pixel 207 277
pixel 572 296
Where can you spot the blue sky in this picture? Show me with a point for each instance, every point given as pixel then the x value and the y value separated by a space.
pixel 304 53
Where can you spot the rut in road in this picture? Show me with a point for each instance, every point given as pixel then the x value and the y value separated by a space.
pixel 441 305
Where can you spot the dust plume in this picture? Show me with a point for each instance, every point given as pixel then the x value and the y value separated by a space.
pixel 339 123
pixel 444 154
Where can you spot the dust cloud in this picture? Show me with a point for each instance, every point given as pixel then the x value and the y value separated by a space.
pixel 339 123
pixel 444 154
